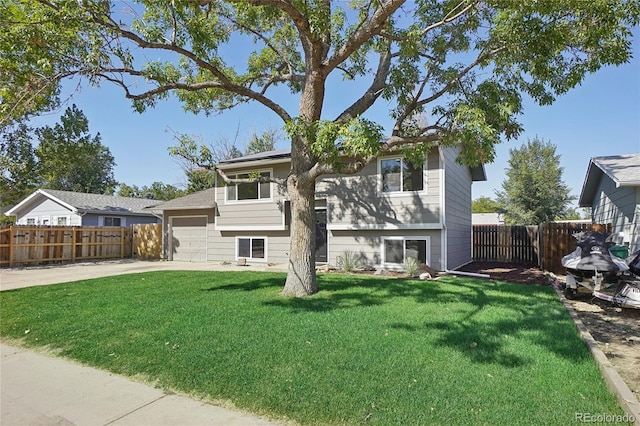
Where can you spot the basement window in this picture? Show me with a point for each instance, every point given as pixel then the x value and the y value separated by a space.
pixel 251 248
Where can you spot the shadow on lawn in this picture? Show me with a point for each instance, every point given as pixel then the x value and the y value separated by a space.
pixel 519 313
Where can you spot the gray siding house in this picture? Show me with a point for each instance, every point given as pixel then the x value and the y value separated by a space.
pixel 385 213
pixel 66 208
pixel 612 189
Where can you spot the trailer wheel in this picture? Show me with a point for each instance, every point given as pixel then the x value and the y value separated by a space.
pixel 570 293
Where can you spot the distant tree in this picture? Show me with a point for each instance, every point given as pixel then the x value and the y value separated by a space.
pixel 199 180
pixel 19 175
pixel 161 191
pixel 125 190
pixel 576 214
pixel 156 191
pixel 262 143
pixel 192 154
pixel 533 191
pixel 484 205
pixel 73 160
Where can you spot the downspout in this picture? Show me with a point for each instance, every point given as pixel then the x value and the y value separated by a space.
pixel 443 221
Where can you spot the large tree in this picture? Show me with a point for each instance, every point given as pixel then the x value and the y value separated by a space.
pixel 19 171
pixel 71 159
pixel 464 63
pixel 533 191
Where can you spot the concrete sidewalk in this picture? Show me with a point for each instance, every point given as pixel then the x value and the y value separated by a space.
pixel 39 390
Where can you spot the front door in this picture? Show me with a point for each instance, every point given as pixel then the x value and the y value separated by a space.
pixel 321 235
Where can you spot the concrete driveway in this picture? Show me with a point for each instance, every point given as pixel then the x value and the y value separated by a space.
pixel 12 278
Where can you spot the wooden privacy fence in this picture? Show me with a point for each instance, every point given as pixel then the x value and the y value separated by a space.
pixel 542 245
pixel 556 240
pixel 146 240
pixel 45 244
pixel 500 243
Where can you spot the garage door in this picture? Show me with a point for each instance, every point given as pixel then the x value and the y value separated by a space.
pixel 189 239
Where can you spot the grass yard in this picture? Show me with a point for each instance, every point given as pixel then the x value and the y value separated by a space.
pixel 381 350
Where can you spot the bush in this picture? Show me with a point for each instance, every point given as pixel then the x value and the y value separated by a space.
pixel 349 261
pixel 412 266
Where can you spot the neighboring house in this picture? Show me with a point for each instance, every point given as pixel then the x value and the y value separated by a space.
pixel 487 219
pixel 612 189
pixel 66 208
pixel 387 212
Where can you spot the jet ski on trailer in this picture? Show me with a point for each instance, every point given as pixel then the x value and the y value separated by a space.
pixel 593 268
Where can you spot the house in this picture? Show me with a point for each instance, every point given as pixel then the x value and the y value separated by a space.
pixel 385 213
pixel 612 189
pixel 66 208
pixel 487 218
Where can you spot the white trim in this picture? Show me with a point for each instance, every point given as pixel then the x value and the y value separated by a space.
pixel 325 208
pixel 12 211
pixel 383 226
pixel 101 220
pixel 392 265
pixel 254 163
pixel 54 220
pixel 443 209
pixel 47 218
pixel 382 193
pixel 253 237
pixel 250 201
pixel 251 227
pixel 206 234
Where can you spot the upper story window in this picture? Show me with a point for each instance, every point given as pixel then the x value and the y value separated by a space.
pixel 399 175
pixel 251 190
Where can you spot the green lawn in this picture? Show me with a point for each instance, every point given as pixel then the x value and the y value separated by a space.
pixel 381 350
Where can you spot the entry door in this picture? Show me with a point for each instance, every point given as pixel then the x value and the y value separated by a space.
pixel 321 235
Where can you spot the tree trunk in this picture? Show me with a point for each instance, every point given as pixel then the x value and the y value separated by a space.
pixel 301 275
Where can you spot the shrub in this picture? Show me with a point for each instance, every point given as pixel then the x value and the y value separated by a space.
pixel 349 261
pixel 412 266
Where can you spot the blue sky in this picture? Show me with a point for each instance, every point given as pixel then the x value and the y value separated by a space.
pixel 598 118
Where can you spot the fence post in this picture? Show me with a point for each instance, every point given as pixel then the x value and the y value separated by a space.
pixel 122 243
pixel 73 244
pixel 11 243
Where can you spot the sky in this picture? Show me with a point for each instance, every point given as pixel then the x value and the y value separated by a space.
pixel 600 117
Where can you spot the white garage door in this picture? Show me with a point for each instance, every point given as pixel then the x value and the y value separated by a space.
pixel 189 239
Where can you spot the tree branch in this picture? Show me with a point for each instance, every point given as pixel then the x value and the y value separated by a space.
pixel 364 33
pixel 373 92
pixel 261 179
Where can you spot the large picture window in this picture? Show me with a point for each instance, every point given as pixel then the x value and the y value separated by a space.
pixel 396 250
pixel 249 191
pixel 398 175
pixel 252 248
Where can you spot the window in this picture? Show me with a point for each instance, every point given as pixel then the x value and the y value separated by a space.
pixel 251 190
pixel 252 248
pixel 397 249
pixel 31 221
pixel 398 175
pixel 61 221
pixel 112 221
